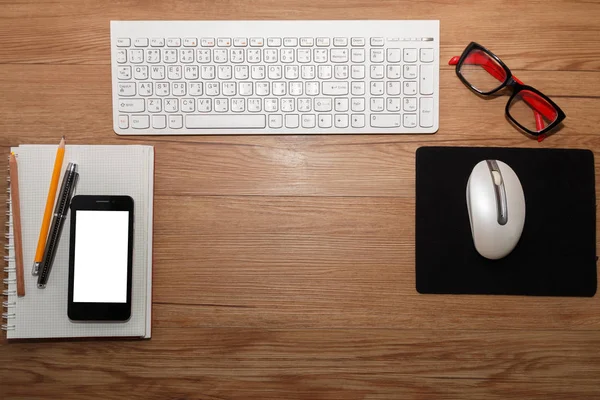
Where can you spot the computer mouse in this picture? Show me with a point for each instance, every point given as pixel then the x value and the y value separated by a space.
pixel 496 205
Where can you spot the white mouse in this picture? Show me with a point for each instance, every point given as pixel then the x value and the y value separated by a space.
pixel 496 206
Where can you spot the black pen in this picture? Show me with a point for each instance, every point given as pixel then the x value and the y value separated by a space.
pixel 60 214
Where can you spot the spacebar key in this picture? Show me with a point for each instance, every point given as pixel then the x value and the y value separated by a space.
pixel 224 121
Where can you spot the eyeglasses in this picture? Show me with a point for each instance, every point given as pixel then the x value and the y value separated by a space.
pixel 529 109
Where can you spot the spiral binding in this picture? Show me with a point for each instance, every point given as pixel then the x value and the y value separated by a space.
pixel 10 292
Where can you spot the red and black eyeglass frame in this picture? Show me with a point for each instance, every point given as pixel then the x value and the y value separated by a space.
pixel 545 108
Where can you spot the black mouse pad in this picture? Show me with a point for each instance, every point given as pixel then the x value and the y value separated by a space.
pixel 556 255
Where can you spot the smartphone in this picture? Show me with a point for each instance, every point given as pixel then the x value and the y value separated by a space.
pixel 100 258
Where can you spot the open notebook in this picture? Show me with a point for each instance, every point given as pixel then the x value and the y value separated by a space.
pixel 103 170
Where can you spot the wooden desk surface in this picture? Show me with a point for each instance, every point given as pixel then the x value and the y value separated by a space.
pixel 284 265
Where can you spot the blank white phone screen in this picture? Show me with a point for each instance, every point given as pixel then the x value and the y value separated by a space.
pixel 100 273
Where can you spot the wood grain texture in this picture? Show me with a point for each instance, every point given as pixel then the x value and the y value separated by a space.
pixel 284 265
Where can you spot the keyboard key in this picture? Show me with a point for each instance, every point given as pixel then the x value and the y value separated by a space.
pixel 170 56
pixel 123 42
pixel 176 121
pixel 131 105
pixel 376 71
pixel 124 73
pixel 385 120
pixel 271 105
pixel 426 112
pixel 393 104
pixel 426 79
pixel 311 88
pixel 304 104
pixel 287 105
pixel 358 88
pixel 358 72
pixel 341 120
pixel 339 55
pixel 410 88
pixel 410 120
pixel 325 121
pixel 126 89
pixel 335 88
pixel 140 121
pixel 309 121
pixel 173 42
pixel 410 71
pixel 296 88
pixel 123 121
pixel 240 42
pixel 377 55
pixel 221 105
pixel 320 55
pixel 376 88
pixel 358 41
pixel 245 88
pixel 393 71
pixel 292 121
pixel 274 42
pixel 290 42
pixel 376 104
pixel 154 105
pixel 275 121
pixel 410 55
pixel 340 42
pixel 303 55
pixel 341 104
pixel 323 104
pixel 238 105
pixel 220 56
pixel 426 55
pixel 159 121
pixel 171 105
pixel 152 56
pixel 136 56
pixel 141 42
pixel 307 42
pixel 199 121
pixel 324 72
pixel 204 105
pixel 157 42
pixel 195 88
pixel 224 42
pixel 358 120
pixel 207 42
pixel 257 42
pixel 377 41
pixel 262 88
pixel 393 55
pixel 255 105
pixel 358 104
pixel 203 56
pixel 340 72
pixel 410 104
pixel 188 105
pixel 323 42
pixel 393 88
pixel 121 56
pixel 358 55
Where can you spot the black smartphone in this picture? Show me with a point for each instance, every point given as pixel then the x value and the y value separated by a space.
pixel 100 258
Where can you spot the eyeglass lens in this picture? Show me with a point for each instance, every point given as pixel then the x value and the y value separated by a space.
pixel 482 71
pixel 531 111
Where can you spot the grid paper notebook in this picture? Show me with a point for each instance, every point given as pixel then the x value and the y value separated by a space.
pixel 103 170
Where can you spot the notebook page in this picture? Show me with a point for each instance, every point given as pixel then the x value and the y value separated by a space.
pixel 103 170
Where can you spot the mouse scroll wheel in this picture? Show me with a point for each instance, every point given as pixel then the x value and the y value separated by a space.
pixel 497 178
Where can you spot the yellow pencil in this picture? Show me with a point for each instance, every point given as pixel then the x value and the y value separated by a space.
pixel 39 254
pixel 16 219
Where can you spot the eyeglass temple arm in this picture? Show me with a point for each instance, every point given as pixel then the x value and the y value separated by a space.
pixel 539 108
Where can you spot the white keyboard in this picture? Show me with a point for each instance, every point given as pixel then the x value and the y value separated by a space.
pixel 275 77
